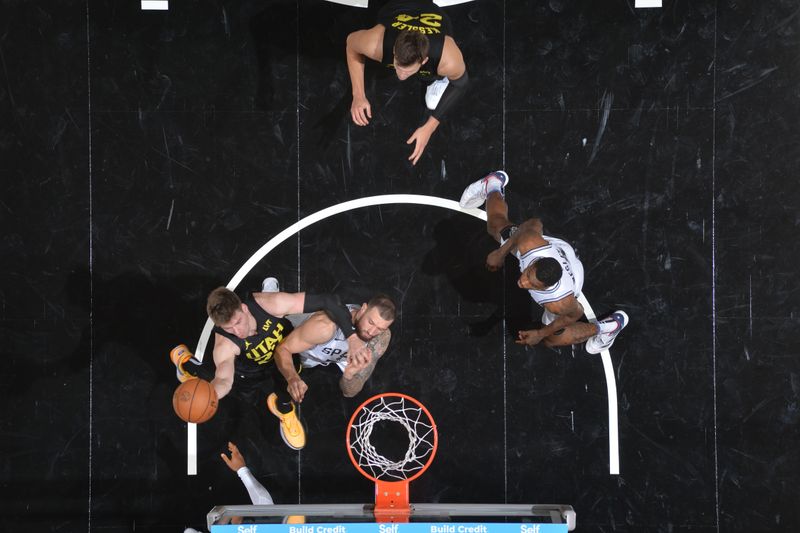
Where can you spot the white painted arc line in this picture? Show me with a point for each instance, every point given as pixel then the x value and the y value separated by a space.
pixel 157 5
pixel 611 388
pixel 385 199
pixel 394 199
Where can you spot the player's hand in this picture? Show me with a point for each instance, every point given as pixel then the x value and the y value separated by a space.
pixel 236 460
pixel 358 361
pixel 297 389
pixel 360 110
pixel 421 136
pixel 531 337
pixel 354 345
pixel 495 261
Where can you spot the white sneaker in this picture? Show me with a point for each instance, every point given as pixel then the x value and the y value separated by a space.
pixel 270 285
pixel 475 194
pixel 603 341
pixel 434 92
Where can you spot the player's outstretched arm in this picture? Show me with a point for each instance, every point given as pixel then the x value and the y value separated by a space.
pixel 452 67
pixel 317 329
pixel 361 364
pixel 420 138
pixel 225 352
pixel 284 303
pixel 280 304
pixel 258 494
pixel 362 45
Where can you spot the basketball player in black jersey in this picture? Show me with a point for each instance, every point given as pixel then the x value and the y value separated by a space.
pixel 246 334
pixel 413 37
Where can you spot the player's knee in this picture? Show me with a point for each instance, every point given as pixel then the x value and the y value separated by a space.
pixel 554 340
pixel 495 227
pixel 534 224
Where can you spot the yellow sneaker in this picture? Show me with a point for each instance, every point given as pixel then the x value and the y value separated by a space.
pixel 179 356
pixel 292 430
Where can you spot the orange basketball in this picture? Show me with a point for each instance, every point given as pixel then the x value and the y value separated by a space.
pixel 195 401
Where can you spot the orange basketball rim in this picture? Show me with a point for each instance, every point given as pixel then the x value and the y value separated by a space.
pixel 392 476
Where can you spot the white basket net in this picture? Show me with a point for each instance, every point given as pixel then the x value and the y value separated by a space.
pixel 418 426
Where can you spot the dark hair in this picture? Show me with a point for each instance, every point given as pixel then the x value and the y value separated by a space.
pixel 410 47
pixel 222 304
pixel 548 271
pixel 384 305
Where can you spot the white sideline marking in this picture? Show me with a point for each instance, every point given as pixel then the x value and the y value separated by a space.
pixel 159 5
pixel 394 199
pixel 445 3
pixel 351 3
pixel 647 3
pixel 365 3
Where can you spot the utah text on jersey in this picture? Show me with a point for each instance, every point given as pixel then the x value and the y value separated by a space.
pixel 262 352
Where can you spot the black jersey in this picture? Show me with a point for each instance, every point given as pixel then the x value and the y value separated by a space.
pixel 421 16
pixel 257 350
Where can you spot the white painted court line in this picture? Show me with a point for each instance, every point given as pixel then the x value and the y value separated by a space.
pixel 392 199
pixel 191 457
pixel 155 5
pixel 365 3
pixel 647 3
pixel 351 3
pixel 445 3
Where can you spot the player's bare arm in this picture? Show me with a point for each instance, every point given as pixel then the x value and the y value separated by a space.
pixel 225 352
pixel 359 367
pixel 318 329
pixel 451 65
pixel 280 304
pixel 362 45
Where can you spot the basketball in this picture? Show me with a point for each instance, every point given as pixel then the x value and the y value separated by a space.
pixel 195 401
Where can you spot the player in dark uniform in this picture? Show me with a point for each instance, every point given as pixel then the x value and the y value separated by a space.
pixel 246 334
pixel 413 37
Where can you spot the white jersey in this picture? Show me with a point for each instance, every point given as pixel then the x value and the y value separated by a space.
pixel 571 281
pixel 333 351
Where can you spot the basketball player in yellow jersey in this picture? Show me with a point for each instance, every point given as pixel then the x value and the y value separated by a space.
pixel 413 37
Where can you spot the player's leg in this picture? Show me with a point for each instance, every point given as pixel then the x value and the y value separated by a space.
pixel 497 223
pixel 281 405
pixel 598 335
pixel 572 334
pixel 489 189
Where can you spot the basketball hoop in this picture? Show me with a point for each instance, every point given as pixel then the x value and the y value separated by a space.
pixel 392 475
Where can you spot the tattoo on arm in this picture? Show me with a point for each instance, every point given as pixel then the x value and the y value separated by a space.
pixel 351 387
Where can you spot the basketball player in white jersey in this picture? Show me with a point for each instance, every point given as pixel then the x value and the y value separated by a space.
pixel 551 272
pixel 320 342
